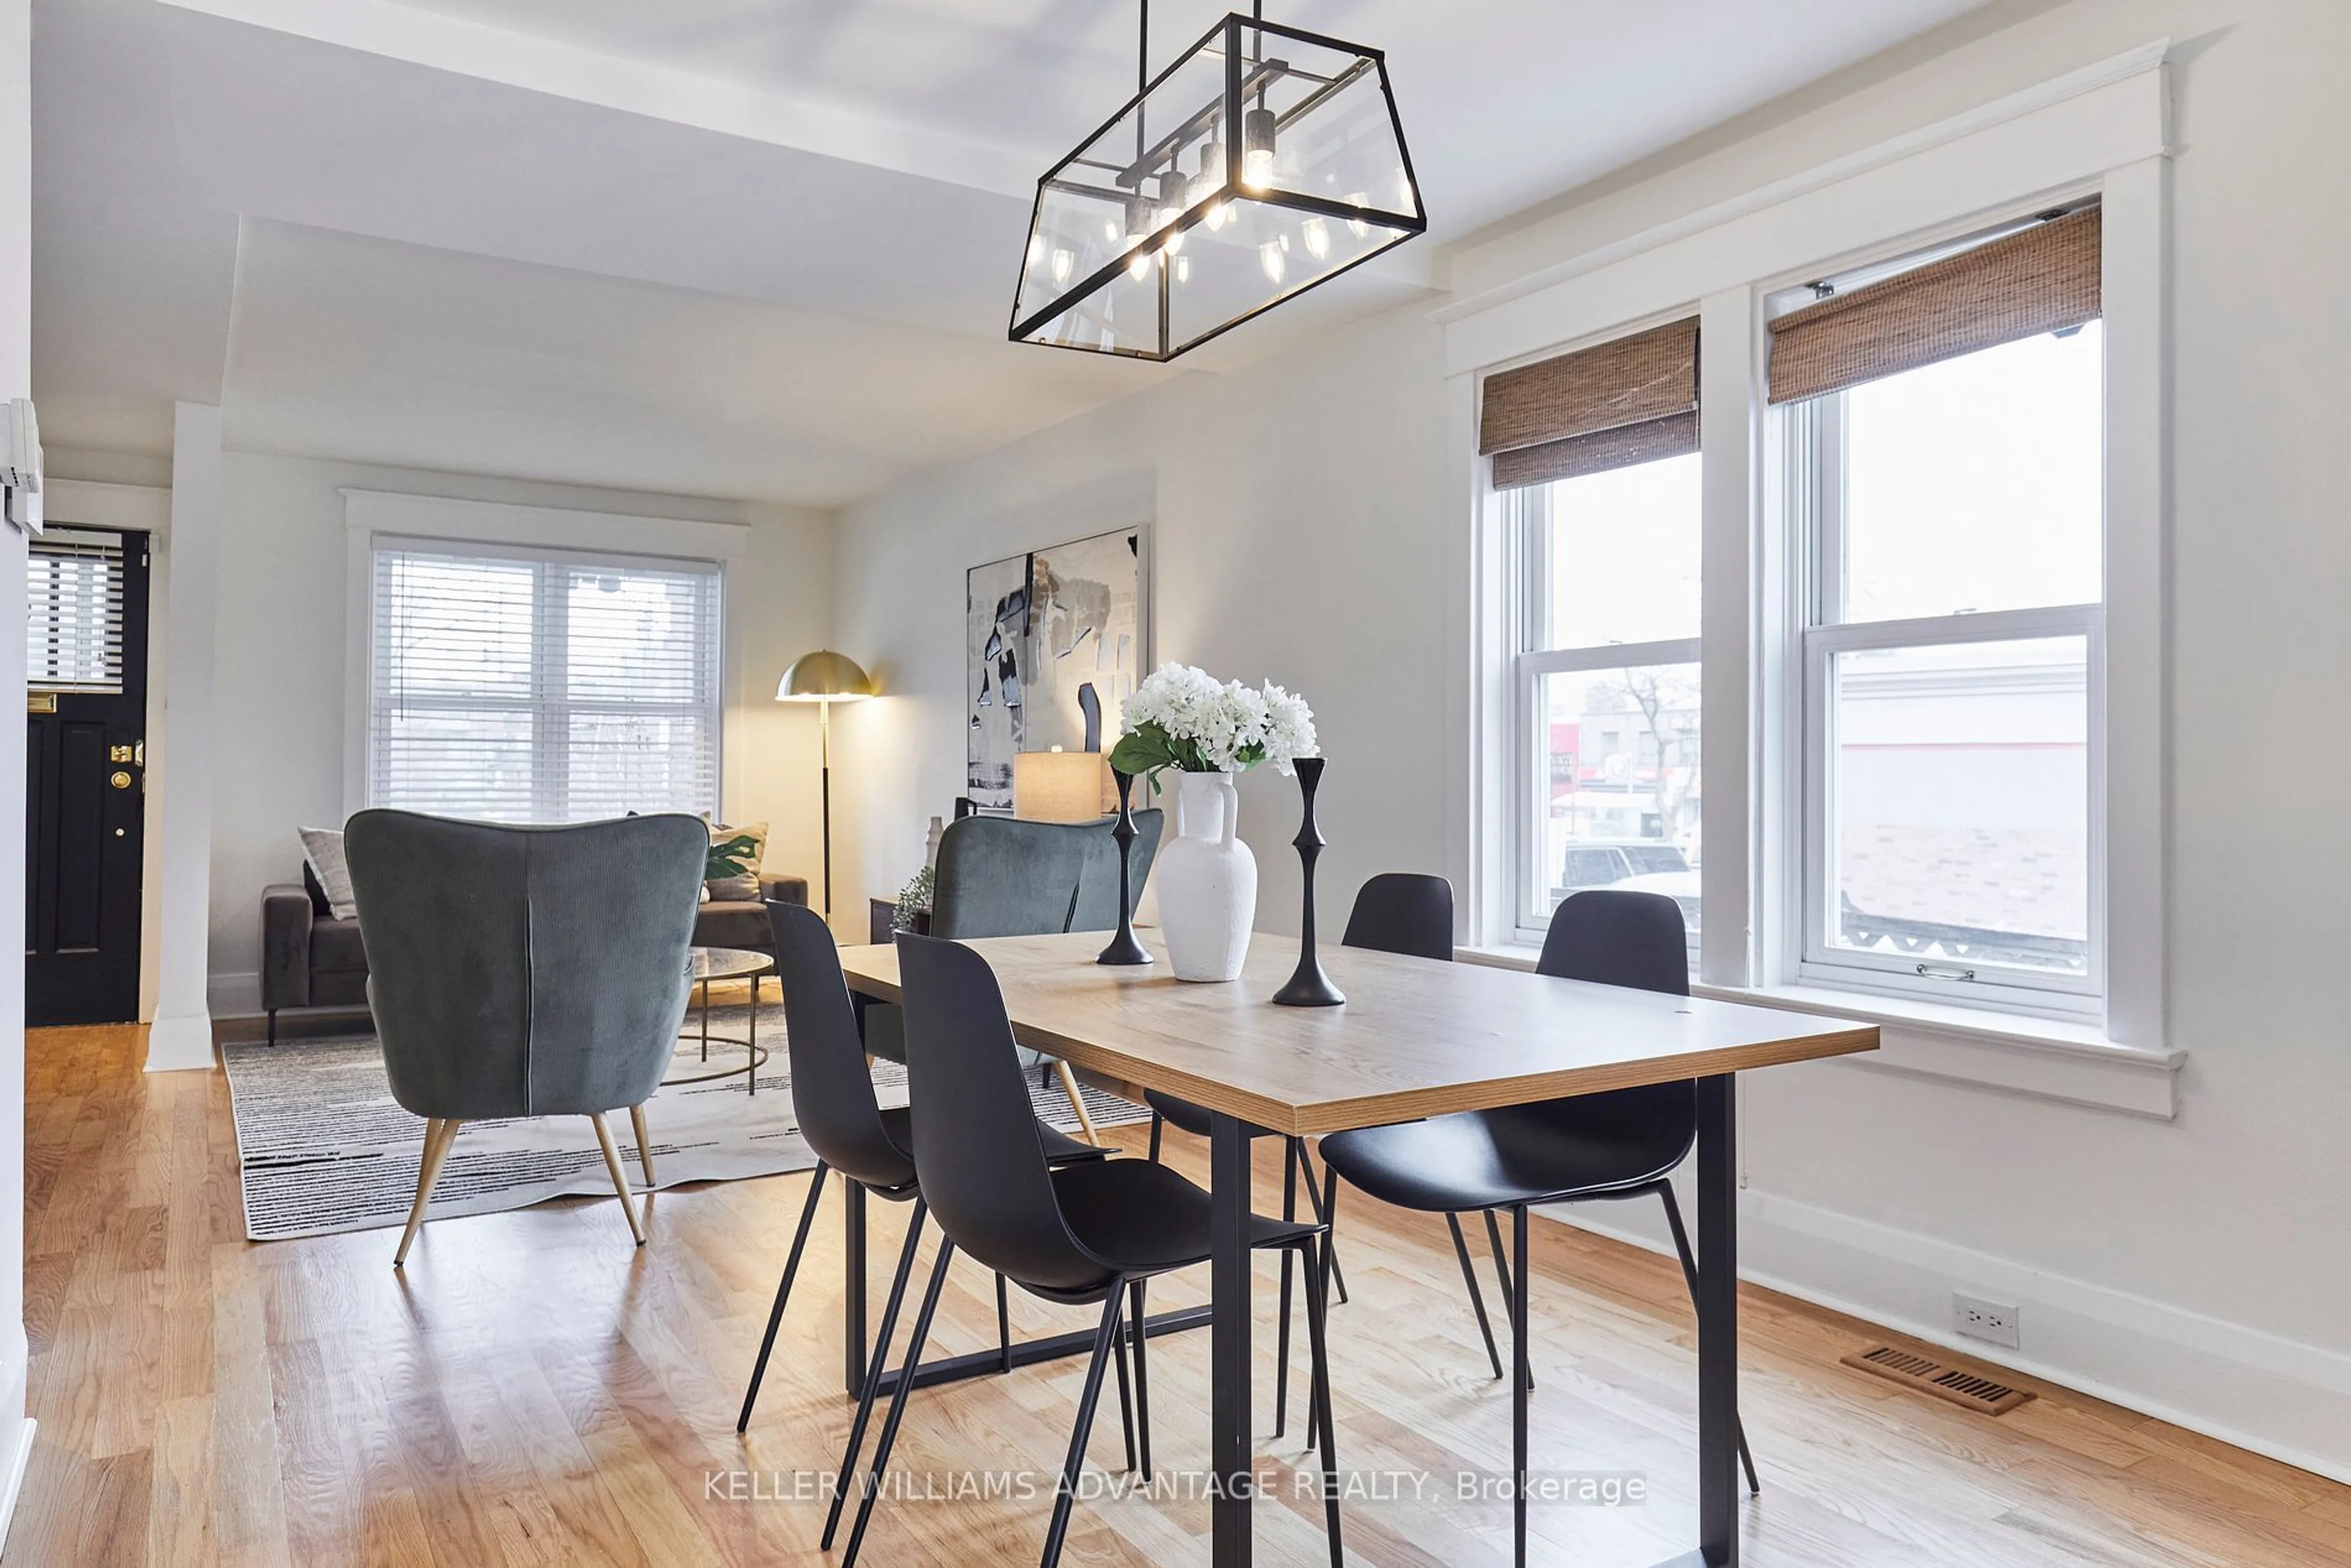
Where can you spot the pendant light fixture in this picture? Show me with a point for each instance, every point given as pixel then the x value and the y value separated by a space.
pixel 1263 161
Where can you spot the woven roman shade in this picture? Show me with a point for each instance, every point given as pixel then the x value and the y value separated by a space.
pixel 1631 401
pixel 2041 279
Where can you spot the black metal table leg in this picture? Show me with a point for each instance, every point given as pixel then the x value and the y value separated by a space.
pixel 1717 1323
pixel 1717 1291
pixel 751 1066
pixel 1234 1476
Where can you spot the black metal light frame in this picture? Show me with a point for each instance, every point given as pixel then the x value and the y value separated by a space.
pixel 1238 86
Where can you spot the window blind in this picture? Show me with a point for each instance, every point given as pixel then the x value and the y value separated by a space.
pixel 73 623
pixel 2041 279
pixel 1631 401
pixel 532 686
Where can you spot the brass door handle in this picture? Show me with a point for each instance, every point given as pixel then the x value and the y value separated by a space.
pixel 119 779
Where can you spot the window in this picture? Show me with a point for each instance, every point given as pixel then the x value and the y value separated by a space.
pixel 73 622
pixel 528 685
pixel 1952 520
pixel 1595 460
pixel 1607 680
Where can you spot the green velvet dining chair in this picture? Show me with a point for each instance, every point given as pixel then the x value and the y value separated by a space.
pixel 1000 877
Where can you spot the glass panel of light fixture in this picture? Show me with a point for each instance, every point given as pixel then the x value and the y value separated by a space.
pixel 1157 159
pixel 1121 316
pixel 1253 252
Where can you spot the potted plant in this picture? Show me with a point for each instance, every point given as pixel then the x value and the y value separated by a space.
pixel 1208 731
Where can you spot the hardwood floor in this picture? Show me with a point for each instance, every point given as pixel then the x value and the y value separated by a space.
pixel 534 1390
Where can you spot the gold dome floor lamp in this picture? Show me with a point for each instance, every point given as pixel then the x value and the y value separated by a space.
pixel 824 678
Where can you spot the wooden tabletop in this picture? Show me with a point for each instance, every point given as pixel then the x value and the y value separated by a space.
pixel 1415 1038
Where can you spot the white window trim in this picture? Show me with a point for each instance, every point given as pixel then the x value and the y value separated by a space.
pixel 2104 131
pixel 438 518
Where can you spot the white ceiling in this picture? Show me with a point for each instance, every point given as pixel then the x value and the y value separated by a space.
pixel 756 248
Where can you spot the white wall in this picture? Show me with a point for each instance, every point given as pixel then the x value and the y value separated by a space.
pixel 281 641
pixel 1296 512
pixel 780 600
pixel 16 381
pixel 2193 1268
pixel 180 772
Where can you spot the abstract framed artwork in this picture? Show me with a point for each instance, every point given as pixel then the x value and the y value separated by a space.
pixel 1055 643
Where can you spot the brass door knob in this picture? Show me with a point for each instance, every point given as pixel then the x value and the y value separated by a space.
pixel 119 779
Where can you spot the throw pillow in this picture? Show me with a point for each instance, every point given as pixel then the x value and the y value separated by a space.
pixel 736 854
pixel 322 848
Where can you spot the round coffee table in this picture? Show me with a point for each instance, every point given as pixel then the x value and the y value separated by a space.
pixel 710 963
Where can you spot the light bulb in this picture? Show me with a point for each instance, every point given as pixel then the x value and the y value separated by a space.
pixel 1174 243
pixel 1218 216
pixel 1283 241
pixel 1358 199
pixel 1110 230
pixel 1183 269
pixel 1036 249
pixel 1256 148
pixel 1317 238
pixel 1138 266
pixel 1271 258
pixel 1062 260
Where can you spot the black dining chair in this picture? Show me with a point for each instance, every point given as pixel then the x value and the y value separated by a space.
pixel 1622 1144
pixel 855 1138
pixel 1073 1234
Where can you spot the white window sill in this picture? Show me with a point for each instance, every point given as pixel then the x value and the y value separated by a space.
pixel 2071 1062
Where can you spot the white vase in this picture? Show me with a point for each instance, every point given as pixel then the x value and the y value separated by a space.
pixel 1207 881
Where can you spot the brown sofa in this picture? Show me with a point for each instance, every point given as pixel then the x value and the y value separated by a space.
pixel 310 960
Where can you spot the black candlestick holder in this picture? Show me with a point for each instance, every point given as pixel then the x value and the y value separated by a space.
pixel 1309 987
pixel 1124 949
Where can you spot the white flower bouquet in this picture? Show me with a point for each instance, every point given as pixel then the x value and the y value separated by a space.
pixel 1186 719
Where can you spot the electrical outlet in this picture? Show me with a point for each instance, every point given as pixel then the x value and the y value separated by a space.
pixel 1994 1322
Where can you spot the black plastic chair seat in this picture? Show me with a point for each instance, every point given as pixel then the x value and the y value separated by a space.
pixel 1140 1219
pixel 1495 1159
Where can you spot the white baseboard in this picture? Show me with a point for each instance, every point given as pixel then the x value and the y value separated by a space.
pixel 2242 1386
pixel 235 995
pixel 182 1042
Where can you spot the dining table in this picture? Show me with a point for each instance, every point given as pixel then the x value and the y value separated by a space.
pixel 1415 1038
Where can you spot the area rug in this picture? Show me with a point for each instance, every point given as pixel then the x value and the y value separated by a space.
pixel 323 1148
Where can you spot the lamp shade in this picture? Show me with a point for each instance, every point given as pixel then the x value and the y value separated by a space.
pixel 1262 162
pixel 824 676
pixel 1058 786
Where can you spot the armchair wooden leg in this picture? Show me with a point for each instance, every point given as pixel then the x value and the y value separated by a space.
pixel 438 1135
pixel 1077 1102
pixel 620 1179
pixel 644 1144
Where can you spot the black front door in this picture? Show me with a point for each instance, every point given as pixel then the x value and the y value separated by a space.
pixel 86 774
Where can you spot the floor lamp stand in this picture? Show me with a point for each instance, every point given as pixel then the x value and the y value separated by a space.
pixel 824 753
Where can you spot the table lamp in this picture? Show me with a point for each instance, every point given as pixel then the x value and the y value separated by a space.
pixel 1058 786
pixel 824 678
